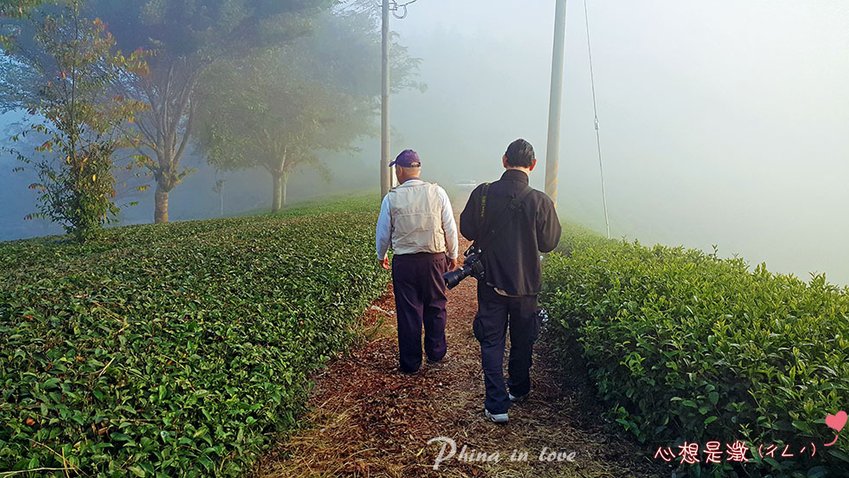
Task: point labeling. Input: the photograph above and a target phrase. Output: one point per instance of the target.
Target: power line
(595, 112)
(396, 7)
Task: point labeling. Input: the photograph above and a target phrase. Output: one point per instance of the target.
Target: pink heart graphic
(836, 422)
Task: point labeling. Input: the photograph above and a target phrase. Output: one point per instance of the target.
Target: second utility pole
(552, 152)
(385, 172)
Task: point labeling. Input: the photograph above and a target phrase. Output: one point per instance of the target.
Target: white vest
(416, 212)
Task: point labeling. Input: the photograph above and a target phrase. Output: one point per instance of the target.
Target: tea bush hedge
(179, 349)
(687, 346)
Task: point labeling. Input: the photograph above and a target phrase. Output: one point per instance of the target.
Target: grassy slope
(175, 349)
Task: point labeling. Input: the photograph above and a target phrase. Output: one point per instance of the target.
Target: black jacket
(511, 255)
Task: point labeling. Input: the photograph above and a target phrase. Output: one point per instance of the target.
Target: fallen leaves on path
(368, 419)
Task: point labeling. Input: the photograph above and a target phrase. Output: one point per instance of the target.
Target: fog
(721, 123)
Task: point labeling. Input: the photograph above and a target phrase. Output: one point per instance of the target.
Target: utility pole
(385, 172)
(552, 152)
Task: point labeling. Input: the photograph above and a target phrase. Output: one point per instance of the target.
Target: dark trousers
(497, 313)
(420, 300)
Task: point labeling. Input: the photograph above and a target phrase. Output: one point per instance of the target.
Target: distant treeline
(122, 93)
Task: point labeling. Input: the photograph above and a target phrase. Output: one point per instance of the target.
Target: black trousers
(496, 314)
(420, 300)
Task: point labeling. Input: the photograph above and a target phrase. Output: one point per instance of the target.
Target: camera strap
(483, 200)
(514, 205)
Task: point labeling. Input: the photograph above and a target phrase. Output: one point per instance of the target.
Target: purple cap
(407, 159)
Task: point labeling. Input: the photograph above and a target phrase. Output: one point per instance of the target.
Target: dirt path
(367, 419)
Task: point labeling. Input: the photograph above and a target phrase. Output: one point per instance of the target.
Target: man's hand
(453, 264)
(384, 263)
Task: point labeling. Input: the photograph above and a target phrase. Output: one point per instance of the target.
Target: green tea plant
(179, 349)
(684, 345)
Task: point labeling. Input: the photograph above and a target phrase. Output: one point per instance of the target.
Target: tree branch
(187, 133)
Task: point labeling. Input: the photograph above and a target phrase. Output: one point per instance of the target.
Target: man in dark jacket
(512, 223)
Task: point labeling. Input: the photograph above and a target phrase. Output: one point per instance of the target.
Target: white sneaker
(516, 399)
(496, 417)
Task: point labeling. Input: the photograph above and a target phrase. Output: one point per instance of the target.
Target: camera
(472, 266)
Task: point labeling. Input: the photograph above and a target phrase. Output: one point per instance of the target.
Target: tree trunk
(279, 191)
(285, 182)
(160, 214)
(167, 127)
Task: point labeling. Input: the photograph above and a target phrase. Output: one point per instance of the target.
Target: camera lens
(453, 278)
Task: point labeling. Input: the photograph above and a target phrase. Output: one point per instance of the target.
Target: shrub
(76, 115)
(174, 350)
(686, 346)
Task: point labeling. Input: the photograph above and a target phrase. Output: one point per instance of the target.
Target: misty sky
(722, 122)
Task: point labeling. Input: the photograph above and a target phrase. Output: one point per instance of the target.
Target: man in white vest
(417, 223)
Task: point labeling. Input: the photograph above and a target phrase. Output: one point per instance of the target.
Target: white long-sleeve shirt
(416, 217)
